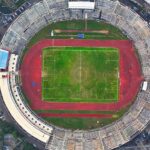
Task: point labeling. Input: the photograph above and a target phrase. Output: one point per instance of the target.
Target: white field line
(87, 50)
(80, 70)
(78, 98)
(54, 71)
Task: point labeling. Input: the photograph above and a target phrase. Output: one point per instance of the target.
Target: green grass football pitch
(80, 74)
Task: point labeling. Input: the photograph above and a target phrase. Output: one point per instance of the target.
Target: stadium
(75, 74)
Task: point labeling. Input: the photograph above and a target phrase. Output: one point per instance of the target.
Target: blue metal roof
(3, 59)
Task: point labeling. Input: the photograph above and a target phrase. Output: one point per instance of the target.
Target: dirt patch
(57, 31)
(44, 74)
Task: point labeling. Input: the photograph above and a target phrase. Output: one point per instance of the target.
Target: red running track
(130, 75)
(76, 115)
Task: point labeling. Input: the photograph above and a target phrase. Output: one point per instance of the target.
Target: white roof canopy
(81, 5)
(148, 1)
(145, 84)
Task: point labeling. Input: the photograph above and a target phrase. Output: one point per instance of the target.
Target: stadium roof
(3, 58)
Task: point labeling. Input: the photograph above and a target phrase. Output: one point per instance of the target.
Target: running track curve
(130, 75)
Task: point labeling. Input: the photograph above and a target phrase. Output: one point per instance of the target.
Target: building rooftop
(148, 1)
(3, 58)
